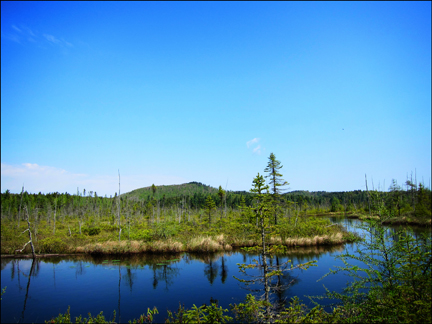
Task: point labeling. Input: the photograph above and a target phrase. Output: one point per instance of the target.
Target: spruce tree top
(275, 177)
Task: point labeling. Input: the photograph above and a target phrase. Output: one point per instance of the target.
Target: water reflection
(224, 270)
(119, 313)
(130, 284)
(165, 273)
(34, 273)
(211, 271)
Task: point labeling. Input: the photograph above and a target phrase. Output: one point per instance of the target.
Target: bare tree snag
(19, 213)
(30, 236)
(55, 211)
(370, 213)
(118, 208)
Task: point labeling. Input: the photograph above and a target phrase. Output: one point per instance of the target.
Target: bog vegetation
(197, 218)
(392, 284)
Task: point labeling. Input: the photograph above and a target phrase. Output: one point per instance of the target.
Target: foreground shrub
(100, 318)
(91, 231)
(53, 245)
(202, 314)
(397, 281)
(141, 235)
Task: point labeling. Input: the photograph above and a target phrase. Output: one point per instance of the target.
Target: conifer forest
(266, 221)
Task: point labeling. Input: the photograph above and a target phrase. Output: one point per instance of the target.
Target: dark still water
(131, 284)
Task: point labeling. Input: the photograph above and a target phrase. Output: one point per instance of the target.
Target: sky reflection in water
(132, 284)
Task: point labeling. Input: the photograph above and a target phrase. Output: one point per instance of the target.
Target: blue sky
(170, 93)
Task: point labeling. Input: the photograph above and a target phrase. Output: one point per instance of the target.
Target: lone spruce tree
(275, 180)
(209, 206)
(262, 209)
(221, 194)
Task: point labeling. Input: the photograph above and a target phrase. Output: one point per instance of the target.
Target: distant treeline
(415, 199)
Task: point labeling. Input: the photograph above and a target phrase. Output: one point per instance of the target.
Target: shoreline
(400, 220)
(198, 245)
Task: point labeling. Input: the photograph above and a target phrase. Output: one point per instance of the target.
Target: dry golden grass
(275, 240)
(176, 247)
(158, 247)
(200, 244)
(203, 244)
(219, 239)
(135, 247)
(109, 247)
(208, 244)
(337, 238)
(165, 246)
(245, 242)
(95, 248)
(316, 240)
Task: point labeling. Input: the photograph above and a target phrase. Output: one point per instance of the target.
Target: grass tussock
(165, 246)
(80, 249)
(131, 247)
(243, 242)
(275, 240)
(208, 244)
(135, 247)
(337, 238)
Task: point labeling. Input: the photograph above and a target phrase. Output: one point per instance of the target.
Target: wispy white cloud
(257, 150)
(52, 39)
(67, 43)
(29, 31)
(252, 141)
(51, 179)
(16, 28)
(11, 36)
(21, 34)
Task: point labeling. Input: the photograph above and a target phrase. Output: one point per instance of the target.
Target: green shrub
(165, 230)
(397, 281)
(202, 314)
(141, 234)
(52, 244)
(108, 227)
(91, 230)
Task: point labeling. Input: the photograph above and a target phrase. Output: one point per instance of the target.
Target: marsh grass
(409, 220)
(406, 219)
(168, 236)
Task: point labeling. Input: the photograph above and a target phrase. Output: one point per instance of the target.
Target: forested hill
(181, 190)
(194, 194)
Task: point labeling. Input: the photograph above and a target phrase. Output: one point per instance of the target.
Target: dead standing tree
(19, 213)
(30, 236)
(118, 208)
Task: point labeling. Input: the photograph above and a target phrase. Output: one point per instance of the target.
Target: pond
(131, 284)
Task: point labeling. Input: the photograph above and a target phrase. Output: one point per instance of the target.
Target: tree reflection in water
(165, 273)
(224, 270)
(34, 273)
(211, 271)
(129, 278)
